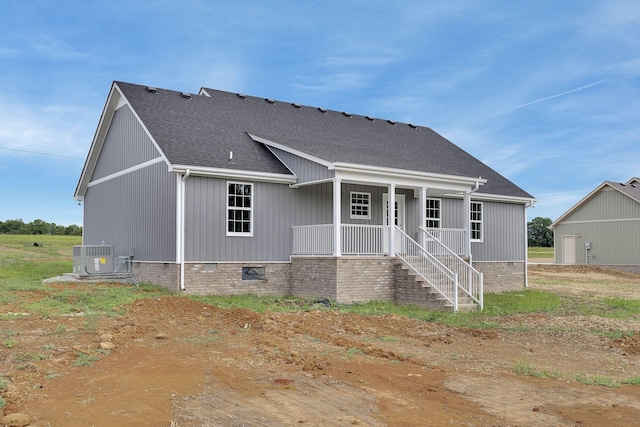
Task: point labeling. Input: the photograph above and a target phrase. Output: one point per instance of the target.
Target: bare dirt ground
(177, 362)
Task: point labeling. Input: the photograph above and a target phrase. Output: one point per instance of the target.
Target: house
(602, 229)
(229, 194)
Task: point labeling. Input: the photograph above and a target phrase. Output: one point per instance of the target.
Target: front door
(568, 249)
(399, 216)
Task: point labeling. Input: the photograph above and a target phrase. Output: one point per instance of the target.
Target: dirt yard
(176, 362)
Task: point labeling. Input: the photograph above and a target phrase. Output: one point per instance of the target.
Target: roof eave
(276, 178)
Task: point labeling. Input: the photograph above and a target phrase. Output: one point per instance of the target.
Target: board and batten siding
(135, 212)
(610, 221)
(504, 233)
(305, 170)
(125, 146)
(276, 208)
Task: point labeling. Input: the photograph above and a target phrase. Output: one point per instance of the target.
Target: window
(476, 221)
(239, 209)
(360, 205)
(433, 213)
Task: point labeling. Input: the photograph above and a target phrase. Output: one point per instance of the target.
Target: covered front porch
(438, 256)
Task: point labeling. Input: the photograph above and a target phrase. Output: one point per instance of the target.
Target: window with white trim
(475, 212)
(360, 205)
(433, 213)
(239, 209)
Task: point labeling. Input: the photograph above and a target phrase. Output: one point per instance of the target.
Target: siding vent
(152, 89)
(322, 110)
(270, 101)
(185, 95)
(371, 119)
(346, 114)
(391, 122)
(241, 96)
(298, 106)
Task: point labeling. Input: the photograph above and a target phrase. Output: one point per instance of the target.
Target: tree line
(38, 226)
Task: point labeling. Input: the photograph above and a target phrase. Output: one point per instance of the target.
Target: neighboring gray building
(602, 229)
(228, 194)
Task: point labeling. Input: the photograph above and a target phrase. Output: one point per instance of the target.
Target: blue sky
(545, 92)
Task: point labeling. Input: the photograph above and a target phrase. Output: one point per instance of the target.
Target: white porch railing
(364, 239)
(452, 238)
(428, 267)
(356, 239)
(470, 280)
(313, 239)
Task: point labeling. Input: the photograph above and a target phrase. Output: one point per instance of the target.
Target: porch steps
(412, 289)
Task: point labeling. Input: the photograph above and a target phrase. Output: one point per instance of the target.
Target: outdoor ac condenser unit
(96, 259)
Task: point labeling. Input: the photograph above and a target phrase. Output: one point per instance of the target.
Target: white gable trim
(125, 171)
(115, 100)
(291, 150)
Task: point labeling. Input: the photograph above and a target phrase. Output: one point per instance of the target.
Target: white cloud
(51, 129)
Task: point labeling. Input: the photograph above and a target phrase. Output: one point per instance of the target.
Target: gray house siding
(137, 211)
(610, 221)
(276, 209)
(305, 170)
(126, 145)
(504, 233)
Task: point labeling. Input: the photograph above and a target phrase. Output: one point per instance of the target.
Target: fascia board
(234, 174)
(98, 140)
(502, 198)
(298, 153)
(392, 172)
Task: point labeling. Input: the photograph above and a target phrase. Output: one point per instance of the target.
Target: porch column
(466, 207)
(423, 213)
(391, 215)
(337, 198)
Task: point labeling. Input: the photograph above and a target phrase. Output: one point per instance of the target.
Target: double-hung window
(360, 205)
(433, 213)
(239, 209)
(476, 221)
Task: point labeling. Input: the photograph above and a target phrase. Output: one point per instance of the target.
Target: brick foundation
(226, 279)
(344, 279)
(502, 276)
(166, 275)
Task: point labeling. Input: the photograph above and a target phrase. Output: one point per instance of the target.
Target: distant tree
(73, 230)
(38, 226)
(538, 232)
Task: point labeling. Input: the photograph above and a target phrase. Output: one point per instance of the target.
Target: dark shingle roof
(202, 130)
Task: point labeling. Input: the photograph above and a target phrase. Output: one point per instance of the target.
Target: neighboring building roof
(201, 131)
(630, 189)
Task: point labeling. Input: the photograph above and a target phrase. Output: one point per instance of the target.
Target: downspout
(182, 227)
(468, 222)
(526, 246)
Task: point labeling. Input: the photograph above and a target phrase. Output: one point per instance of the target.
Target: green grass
(598, 380)
(540, 253)
(24, 266)
(525, 368)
